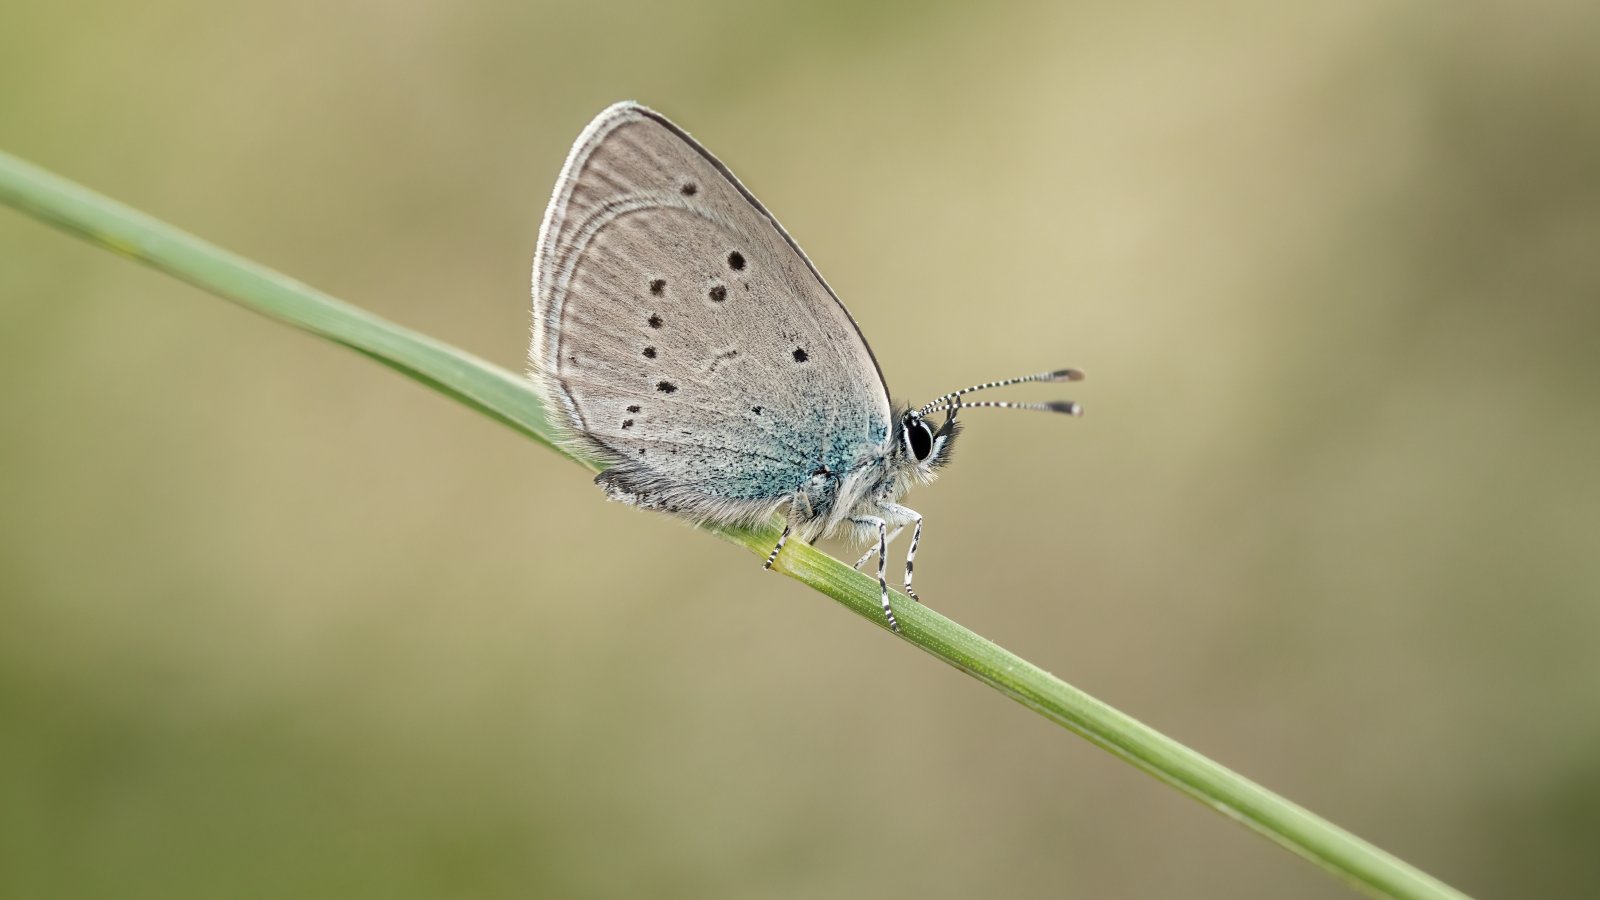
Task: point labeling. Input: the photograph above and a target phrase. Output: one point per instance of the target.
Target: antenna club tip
(1065, 406)
(1066, 375)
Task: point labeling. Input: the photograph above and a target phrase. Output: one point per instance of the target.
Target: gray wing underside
(683, 335)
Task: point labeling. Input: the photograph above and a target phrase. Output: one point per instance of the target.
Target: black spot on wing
(666, 387)
(649, 353)
(718, 294)
(736, 261)
(655, 321)
(658, 287)
(800, 355)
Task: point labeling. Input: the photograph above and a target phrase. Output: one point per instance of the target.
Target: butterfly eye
(920, 439)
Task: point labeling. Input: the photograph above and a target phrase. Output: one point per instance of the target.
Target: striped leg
(773, 556)
(874, 548)
(911, 557)
(883, 553)
(911, 517)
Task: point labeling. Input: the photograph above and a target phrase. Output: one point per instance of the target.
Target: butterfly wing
(685, 337)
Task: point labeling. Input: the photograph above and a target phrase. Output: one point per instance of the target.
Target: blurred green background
(275, 622)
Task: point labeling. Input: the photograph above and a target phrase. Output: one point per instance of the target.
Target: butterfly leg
(911, 557)
(883, 554)
(773, 556)
(874, 548)
(913, 518)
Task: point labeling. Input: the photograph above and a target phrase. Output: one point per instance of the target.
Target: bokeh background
(275, 622)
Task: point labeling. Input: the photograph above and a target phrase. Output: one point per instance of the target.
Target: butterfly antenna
(1059, 406)
(1056, 376)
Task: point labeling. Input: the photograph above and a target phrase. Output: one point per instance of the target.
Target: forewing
(685, 336)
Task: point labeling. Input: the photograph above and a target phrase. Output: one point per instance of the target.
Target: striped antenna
(1059, 375)
(1059, 406)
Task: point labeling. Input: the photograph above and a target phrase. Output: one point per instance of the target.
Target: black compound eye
(920, 437)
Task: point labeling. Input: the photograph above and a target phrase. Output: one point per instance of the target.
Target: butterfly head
(924, 445)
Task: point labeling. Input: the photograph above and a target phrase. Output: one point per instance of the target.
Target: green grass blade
(508, 399)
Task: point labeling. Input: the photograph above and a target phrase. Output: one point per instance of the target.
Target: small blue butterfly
(687, 342)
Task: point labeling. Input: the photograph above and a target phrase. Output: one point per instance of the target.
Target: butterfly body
(691, 347)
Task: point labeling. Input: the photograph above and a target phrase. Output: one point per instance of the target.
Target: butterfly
(686, 343)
